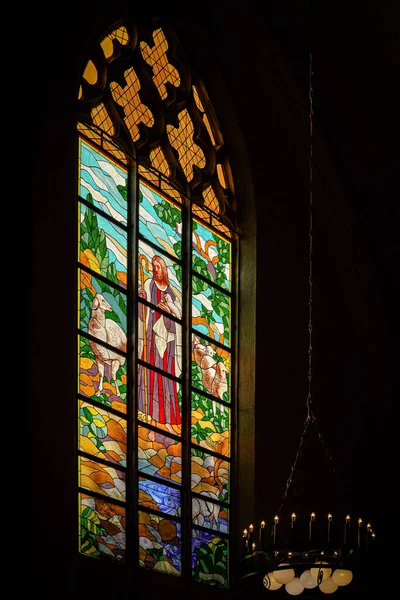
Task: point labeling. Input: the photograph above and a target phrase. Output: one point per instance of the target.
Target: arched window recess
(157, 299)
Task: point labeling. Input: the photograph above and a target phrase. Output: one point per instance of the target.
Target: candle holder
(308, 557)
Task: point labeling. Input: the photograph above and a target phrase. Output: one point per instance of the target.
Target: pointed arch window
(157, 299)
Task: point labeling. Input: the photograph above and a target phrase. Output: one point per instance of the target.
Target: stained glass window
(157, 246)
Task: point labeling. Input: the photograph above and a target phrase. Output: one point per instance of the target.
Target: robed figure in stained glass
(159, 345)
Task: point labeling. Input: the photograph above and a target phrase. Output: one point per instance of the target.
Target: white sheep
(213, 372)
(203, 509)
(110, 332)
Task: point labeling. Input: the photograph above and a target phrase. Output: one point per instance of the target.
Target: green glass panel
(159, 455)
(102, 246)
(209, 514)
(160, 220)
(102, 374)
(209, 559)
(94, 295)
(210, 475)
(211, 255)
(102, 182)
(102, 434)
(159, 544)
(101, 479)
(210, 424)
(210, 368)
(211, 311)
(102, 531)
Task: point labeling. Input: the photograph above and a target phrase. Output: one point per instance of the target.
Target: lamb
(213, 372)
(110, 332)
(203, 509)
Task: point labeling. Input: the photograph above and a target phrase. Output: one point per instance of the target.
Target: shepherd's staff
(143, 260)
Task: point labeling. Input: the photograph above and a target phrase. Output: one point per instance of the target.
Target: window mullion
(132, 558)
(186, 398)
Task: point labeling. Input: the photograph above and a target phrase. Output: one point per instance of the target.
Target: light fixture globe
(342, 577)
(284, 575)
(328, 586)
(270, 582)
(320, 573)
(307, 580)
(294, 587)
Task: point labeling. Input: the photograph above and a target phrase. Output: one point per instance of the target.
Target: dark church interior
(261, 51)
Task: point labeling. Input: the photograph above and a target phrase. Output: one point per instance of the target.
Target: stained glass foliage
(210, 475)
(210, 424)
(102, 528)
(211, 311)
(102, 182)
(95, 359)
(210, 368)
(159, 455)
(206, 513)
(211, 255)
(155, 495)
(101, 479)
(160, 220)
(159, 543)
(209, 559)
(91, 287)
(102, 434)
(102, 246)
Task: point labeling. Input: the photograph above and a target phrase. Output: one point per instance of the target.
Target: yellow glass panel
(95, 136)
(90, 73)
(210, 200)
(154, 178)
(156, 57)
(199, 212)
(210, 131)
(197, 99)
(159, 161)
(107, 46)
(128, 98)
(221, 176)
(121, 34)
(221, 228)
(181, 138)
(101, 119)
(80, 92)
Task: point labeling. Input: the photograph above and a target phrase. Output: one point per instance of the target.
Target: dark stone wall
(263, 106)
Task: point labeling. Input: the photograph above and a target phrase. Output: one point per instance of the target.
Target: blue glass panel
(158, 496)
(102, 182)
(160, 221)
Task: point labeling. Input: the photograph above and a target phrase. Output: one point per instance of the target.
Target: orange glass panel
(197, 99)
(128, 98)
(209, 129)
(154, 178)
(210, 200)
(120, 34)
(221, 176)
(181, 139)
(156, 57)
(158, 161)
(199, 212)
(102, 120)
(90, 73)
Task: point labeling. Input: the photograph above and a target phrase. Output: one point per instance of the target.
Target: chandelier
(300, 552)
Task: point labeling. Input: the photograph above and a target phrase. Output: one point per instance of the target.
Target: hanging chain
(310, 415)
(310, 418)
